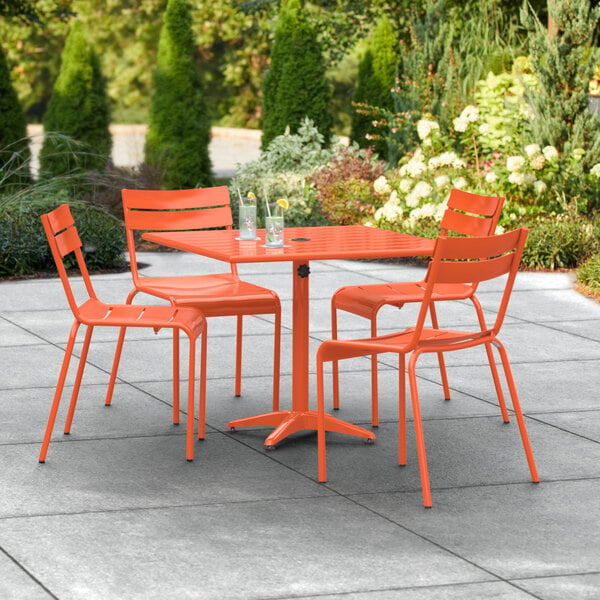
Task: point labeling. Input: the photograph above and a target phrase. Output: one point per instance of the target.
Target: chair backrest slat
(174, 210)
(67, 241)
(471, 214)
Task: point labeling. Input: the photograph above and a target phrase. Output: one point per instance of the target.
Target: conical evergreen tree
(14, 146)
(179, 125)
(78, 108)
(376, 77)
(564, 64)
(295, 86)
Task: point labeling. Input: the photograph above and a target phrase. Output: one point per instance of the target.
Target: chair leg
(78, 378)
(189, 454)
(176, 383)
(238, 357)
(401, 410)
(202, 397)
(517, 408)
(277, 360)
(443, 374)
(335, 363)
(419, 430)
(322, 460)
(492, 362)
(374, 387)
(58, 393)
(115, 366)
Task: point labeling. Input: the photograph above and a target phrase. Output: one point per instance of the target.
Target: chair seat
(97, 313)
(366, 300)
(216, 295)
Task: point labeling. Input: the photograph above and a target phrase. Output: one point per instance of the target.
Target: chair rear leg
(58, 393)
(419, 430)
(78, 378)
(277, 360)
(519, 415)
(238, 357)
(202, 396)
(443, 374)
(492, 362)
(335, 363)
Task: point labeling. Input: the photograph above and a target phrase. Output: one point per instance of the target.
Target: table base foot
(287, 422)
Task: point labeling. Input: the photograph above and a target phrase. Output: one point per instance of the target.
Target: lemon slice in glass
(283, 203)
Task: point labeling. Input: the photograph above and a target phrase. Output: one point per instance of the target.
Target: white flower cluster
(381, 186)
(425, 127)
(470, 114)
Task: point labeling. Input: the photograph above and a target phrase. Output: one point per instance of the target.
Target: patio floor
(117, 512)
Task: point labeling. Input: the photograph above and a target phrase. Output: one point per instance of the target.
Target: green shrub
(79, 109)
(560, 241)
(179, 125)
(14, 146)
(24, 249)
(588, 275)
(283, 171)
(295, 86)
(344, 187)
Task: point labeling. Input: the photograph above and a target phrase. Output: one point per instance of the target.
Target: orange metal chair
(456, 261)
(467, 214)
(64, 240)
(216, 295)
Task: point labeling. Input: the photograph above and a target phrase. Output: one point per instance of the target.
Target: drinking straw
(240, 195)
(267, 202)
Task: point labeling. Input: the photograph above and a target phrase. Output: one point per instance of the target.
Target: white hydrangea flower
(532, 149)
(550, 152)
(405, 185)
(412, 200)
(491, 177)
(414, 168)
(595, 170)
(537, 161)
(539, 187)
(460, 124)
(459, 163)
(499, 230)
(460, 183)
(515, 163)
(422, 190)
(484, 128)
(529, 178)
(470, 113)
(425, 127)
(381, 186)
(447, 158)
(393, 199)
(517, 178)
(433, 163)
(442, 181)
(391, 211)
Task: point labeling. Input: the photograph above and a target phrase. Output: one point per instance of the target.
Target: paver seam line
(579, 435)
(578, 574)
(28, 573)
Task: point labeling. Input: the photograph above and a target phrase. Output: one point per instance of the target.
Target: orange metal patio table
(302, 244)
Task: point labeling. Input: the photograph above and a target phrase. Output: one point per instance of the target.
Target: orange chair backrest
(471, 214)
(174, 210)
(63, 239)
(471, 260)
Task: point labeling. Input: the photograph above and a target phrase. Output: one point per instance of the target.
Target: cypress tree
(14, 145)
(78, 108)
(179, 125)
(376, 77)
(564, 64)
(295, 86)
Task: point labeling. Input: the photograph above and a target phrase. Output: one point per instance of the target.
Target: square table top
(300, 243)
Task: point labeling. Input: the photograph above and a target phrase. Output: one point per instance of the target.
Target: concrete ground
(117, 512)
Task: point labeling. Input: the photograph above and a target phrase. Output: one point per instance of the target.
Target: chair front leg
(202, 395)
(277, 359)
(322, 458)
(238, 357)
(335, 363)
(374, 377)
(189, 454)
(78, 378)
(58, 393)
(419, 430)
(402, 410)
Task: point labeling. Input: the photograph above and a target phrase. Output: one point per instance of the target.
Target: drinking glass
(247, 219)
(274, 231)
